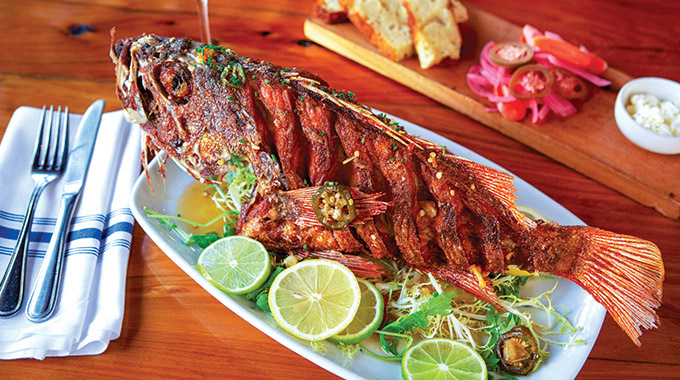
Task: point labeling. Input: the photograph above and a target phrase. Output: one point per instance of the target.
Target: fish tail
(623, 273)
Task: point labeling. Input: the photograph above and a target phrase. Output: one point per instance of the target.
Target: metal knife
(43, 299)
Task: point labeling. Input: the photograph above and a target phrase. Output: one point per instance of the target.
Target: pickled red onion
(485, 79)
(559, 104)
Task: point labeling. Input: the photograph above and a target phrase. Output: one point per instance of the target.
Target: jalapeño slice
(530, 81)
(568, 84)
(511, 54)
(334, 206)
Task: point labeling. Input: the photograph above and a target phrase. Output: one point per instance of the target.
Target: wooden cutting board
(588, 142)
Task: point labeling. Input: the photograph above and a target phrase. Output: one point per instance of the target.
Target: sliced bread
(434, 30)
(330, 11)
(459, 11)
(384, 23)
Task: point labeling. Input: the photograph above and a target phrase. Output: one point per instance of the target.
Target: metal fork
(49, 160)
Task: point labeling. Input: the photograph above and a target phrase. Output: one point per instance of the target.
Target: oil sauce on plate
(196, 205)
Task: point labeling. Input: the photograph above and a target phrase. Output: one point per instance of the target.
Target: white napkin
(90, 309)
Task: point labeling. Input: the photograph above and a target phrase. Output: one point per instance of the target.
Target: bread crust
(434, 30)
(329, 13)
(395, 46)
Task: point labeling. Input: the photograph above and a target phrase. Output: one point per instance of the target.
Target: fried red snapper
(378, 190)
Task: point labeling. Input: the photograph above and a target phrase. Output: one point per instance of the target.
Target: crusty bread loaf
(459, 11)
(434, 30)
(330, 11)
(395, 27)
(384, 23)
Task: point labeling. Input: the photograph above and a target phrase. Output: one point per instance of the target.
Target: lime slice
(531, 213)
(235, 264)
(314, 299)
(442, 359)
(368, 317)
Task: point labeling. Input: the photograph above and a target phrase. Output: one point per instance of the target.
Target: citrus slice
(442, 359)
(314, 299)
(531, 213)
(368, 317)
(235, 264)
(514, 270)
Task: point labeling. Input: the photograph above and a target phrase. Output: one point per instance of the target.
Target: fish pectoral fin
(365, 205)
(359, 265)
(471, 281)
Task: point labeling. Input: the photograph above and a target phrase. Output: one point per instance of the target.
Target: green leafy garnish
(437, 304)
(204, 240)
(261, 294)
(187, 238)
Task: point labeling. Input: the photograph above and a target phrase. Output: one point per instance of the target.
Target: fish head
(153, 74)
(183, 95)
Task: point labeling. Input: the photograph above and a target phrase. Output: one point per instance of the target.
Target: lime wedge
(314, 299)
(235, 264)
(442, 359)
(368, 317)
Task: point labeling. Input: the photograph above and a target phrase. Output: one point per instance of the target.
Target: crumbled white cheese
(655, 115)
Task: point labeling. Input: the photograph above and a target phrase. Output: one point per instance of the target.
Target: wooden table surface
(173, 328)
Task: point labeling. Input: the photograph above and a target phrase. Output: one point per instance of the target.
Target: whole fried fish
(415, 201)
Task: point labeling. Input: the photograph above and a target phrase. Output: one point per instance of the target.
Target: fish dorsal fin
(497, 182)
(500, 185)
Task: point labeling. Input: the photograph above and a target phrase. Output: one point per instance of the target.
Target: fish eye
(175, 80)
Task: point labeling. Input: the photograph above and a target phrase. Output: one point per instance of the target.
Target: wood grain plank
(588, 142)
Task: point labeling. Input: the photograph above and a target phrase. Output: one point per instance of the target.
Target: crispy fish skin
(440, 213)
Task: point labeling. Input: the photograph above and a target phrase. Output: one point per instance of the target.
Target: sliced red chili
(334, 206)
(569, 85)
(531, 81)
(513, 110)
(511, 54)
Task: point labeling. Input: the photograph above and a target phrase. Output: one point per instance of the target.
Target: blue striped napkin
(90, 309)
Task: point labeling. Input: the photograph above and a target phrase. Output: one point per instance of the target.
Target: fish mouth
(129, 87)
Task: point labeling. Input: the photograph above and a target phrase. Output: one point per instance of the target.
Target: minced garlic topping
(655, 115)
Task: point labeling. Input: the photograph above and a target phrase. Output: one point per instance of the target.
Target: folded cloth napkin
(90, 309)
